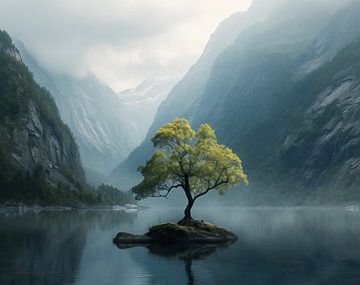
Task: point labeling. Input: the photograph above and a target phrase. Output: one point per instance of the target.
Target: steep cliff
(187, 91)
(107, 126)
(39, 159)
(321, 149)
(285, 97)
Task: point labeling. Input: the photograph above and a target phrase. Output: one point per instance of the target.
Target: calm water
(275, 246)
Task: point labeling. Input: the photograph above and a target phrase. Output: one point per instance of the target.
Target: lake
(275, 246)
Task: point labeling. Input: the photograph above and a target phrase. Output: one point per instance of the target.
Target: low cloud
(122, 41)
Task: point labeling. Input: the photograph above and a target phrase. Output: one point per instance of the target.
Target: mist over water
(275, 246)
(280, 86)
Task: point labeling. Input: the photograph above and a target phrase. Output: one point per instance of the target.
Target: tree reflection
(185, 252)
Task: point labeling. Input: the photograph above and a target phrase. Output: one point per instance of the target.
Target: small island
(195, 163)
(199, 232)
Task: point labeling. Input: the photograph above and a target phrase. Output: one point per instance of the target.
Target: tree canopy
(189, 160)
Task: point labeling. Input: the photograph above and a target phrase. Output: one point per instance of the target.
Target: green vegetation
(198, 232)
(33, 189)
(34, 185)
(5, 40)
(109, 195)
(18, 89)
(31, 183)
(175, 231)
(189, 160)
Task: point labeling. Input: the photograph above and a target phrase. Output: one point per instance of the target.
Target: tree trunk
(187, 220)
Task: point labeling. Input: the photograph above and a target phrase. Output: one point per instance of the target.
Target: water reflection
(187, 253)
(46, 247)
(275, 246)
(184, 252)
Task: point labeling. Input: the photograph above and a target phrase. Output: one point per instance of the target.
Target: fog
(122, 42)
(275, 246)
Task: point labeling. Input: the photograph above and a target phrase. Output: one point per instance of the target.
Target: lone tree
(191, 161)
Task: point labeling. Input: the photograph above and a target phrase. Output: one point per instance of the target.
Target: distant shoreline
(124, 208)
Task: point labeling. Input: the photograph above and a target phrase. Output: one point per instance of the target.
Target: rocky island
(195, 163)
(197, 232)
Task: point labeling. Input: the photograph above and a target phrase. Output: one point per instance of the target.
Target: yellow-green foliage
(189, 159)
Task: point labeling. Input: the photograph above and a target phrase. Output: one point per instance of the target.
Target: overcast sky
(122, 41)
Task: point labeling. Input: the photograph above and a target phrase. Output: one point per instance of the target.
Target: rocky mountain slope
(39, 159)
(321, 149)
(186, 92)
(272, 92)
(107, 126)
(285, 96)
(141, 104)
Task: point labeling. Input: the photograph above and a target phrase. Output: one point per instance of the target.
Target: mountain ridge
(39, 158)
(105, 125)
(256, 99)
(187, 90)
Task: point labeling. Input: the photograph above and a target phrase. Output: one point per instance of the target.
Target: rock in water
(199, 232)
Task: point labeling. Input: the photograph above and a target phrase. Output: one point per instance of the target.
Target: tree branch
(167, 189)
(211, 188)
(217, 183)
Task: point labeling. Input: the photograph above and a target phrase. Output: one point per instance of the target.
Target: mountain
(321, 148)
(186, 92)
(142, 102)
(255, 95)
(285, 97)
(107, 126)
(39, 159)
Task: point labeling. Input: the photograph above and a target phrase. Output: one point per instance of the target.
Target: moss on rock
(170, 233)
